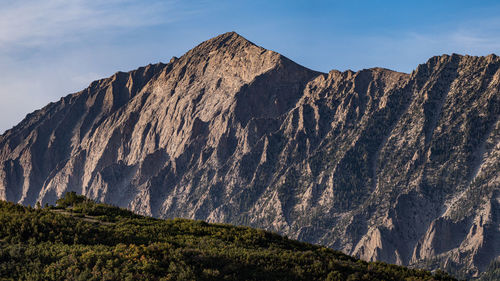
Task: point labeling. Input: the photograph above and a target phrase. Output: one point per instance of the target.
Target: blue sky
(51, 48)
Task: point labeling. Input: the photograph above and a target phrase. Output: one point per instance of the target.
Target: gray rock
(402, 168)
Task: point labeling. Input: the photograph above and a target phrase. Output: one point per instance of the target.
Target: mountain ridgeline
(387, 166)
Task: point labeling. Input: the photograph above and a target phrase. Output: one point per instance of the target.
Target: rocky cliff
(403, 168)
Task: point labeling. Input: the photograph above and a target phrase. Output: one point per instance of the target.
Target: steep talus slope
(383, 165)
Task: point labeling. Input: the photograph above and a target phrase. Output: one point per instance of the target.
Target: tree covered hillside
(83, 240)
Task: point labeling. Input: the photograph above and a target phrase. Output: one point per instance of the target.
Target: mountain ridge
(375, 163)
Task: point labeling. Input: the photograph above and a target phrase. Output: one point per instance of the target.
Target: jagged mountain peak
(228, 41)
(232, 56)
(228, 45)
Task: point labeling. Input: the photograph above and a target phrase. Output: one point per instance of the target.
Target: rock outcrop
(403, 168)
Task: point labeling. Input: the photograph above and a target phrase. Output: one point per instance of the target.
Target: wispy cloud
(50, 48)
(35, 23)
(476, 37)
(404, 50)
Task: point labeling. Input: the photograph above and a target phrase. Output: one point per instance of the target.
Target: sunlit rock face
(403, 168)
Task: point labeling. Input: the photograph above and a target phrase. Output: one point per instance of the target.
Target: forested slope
(82, 240)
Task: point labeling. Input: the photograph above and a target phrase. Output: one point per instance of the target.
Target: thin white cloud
(37, 65)
(477, 37)
(37, 23)
(405, 50)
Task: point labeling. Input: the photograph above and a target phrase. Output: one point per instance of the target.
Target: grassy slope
(88, 241)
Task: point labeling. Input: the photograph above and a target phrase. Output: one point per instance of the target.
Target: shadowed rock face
(380, 164)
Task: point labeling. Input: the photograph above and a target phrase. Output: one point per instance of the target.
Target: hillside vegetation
(83, 240)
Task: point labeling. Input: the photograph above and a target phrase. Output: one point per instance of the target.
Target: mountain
(82, 240)
(402, 168)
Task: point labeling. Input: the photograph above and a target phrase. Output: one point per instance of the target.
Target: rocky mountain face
(403, 168)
